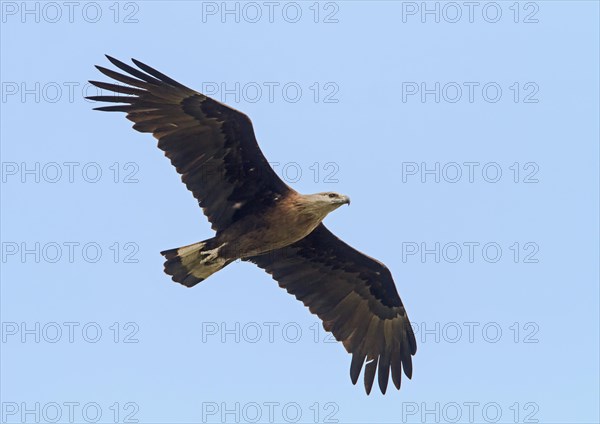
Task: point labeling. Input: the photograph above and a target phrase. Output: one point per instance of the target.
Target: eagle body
(260, 219)
(290, 218)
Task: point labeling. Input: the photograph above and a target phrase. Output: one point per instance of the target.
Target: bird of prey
(260, 219)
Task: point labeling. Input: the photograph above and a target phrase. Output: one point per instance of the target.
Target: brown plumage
(260, 219)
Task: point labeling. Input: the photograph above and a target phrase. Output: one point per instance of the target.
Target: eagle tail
(189, 265)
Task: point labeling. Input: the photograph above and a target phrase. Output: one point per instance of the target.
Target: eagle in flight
(260, 219)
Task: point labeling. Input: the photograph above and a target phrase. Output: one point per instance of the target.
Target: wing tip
(137, 62)
(113, 60)
(118, 108)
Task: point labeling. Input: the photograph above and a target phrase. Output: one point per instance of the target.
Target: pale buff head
(323, 203)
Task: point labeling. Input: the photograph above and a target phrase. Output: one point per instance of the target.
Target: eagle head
(319, 205)
(328, 200)
(334, 199)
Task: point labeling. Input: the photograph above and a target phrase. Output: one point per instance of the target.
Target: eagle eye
(332, 195)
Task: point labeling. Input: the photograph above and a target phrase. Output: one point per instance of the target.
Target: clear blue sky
(466, 136)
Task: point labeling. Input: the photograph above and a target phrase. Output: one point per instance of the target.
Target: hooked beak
(346, 200)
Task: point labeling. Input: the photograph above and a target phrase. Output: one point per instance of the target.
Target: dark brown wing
(356, 298)
(210, 144)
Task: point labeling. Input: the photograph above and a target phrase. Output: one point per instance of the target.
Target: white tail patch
(186, 250)
(191, 264)
(201, 263)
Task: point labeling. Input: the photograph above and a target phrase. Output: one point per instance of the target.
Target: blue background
(177, 368)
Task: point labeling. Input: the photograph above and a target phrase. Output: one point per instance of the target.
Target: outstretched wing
(211, 145)
(356, 298)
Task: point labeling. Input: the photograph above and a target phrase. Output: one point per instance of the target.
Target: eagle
(259, 219)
